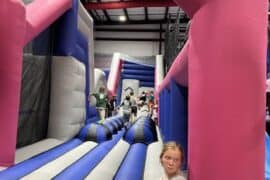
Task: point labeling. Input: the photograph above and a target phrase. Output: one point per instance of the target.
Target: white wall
(131, 48)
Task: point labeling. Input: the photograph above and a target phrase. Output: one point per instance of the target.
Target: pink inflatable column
(12, 31)
(227, 62)
(114, 75)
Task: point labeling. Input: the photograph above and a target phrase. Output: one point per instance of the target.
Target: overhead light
(122, 18)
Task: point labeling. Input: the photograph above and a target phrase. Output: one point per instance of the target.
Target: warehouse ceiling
(119, 12)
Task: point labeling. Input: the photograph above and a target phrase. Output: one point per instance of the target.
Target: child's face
(171, 161)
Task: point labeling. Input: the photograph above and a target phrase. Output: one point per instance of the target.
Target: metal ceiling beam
(166, 13)
(125, 11)
(126, 14)
(99, 23)
(105, 12)
(129, 4)
(146, 13)
(93, 16)
(127, 39)
(128, 30)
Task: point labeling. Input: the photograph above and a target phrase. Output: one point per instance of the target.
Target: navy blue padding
(138, 63)
(139, 77)
(22, 169)
(92, 120)
(267, 157)
(103, 133)
(179, 120)
(93, 111)
(161, 112)
(119, 126)
(130, 135)
(81, 168)
(137, 66)
(66, 32)
(120, 122)
(138, 72)
(95, 132)
(133, 165)
(111, 127)
(113, 121)
(81, 48)
(83, 132)
(42, 43)
(92, 115)
(167, 115)
(142, 131)
(107, 72)
(147, 84)
(119, 91)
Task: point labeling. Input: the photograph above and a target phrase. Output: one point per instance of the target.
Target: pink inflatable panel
(41, 13)
(12, 30)
(178, 70)
(114, 76)
(226, 80)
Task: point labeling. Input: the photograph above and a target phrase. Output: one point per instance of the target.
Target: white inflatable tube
(107, 168)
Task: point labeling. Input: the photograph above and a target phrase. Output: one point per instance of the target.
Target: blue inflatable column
(178, 120)
(160, 111)
(166, 115)
(119, 91)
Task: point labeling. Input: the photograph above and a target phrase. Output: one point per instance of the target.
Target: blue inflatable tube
(137, 67)
(141, 78)
(133, 165)
(138, 72)
(143, 131)
(267, 157)
(81, 168)
(30, 165)
(147, 84)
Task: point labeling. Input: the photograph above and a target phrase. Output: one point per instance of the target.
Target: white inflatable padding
(34, 149)
(153, 169)
(107, 168)
(67, 102)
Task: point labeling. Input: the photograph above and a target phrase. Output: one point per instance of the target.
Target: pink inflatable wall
(226, 70)
(18, 26)
(114, 75)
(12, 31)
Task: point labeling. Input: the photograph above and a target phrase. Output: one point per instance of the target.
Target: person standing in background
(133, 106)
(101, 102)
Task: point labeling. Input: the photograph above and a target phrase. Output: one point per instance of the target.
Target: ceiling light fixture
(122, 18)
